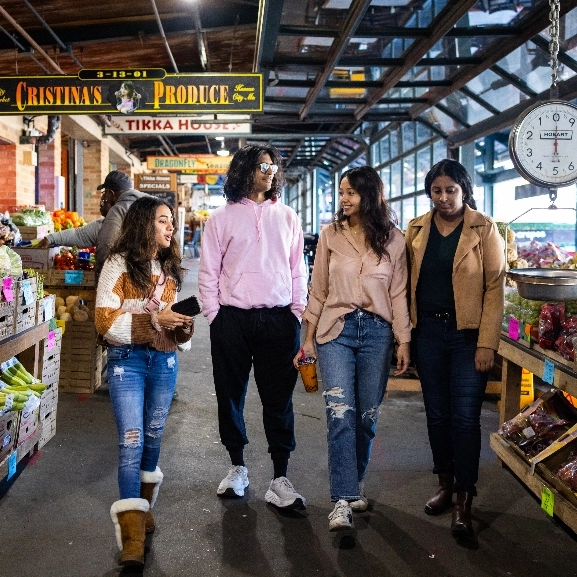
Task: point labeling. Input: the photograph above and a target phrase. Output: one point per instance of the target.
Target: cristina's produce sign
(131, 92)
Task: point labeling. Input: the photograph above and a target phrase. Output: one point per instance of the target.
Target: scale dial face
(543, 144)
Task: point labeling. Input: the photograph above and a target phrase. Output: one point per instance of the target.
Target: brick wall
(96, 167)
(50, 166)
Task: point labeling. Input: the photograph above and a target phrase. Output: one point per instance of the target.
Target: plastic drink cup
(308, 371)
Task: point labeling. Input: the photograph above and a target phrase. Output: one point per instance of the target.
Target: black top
(435, 287)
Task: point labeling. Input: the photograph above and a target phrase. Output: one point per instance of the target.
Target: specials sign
(194, 164)
(174, 125)
(155, 182)
(137, 92)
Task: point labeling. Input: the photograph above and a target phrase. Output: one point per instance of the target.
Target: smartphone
(189, 307)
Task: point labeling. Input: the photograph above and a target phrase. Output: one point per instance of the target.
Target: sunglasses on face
(264, 166)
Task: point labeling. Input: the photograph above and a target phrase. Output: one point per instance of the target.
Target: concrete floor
(56, 520)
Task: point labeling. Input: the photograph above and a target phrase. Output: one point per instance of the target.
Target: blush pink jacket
(252, 257)
(345, 280)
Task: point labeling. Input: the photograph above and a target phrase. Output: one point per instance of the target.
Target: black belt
(442, 316)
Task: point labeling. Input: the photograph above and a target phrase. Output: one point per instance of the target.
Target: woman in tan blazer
(457, 269)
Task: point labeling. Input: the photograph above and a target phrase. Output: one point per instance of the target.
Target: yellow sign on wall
(196, 164)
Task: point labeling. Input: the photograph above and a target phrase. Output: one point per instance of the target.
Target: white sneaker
(361, 504)
(234, 484)
(281, 493)
(341, 517)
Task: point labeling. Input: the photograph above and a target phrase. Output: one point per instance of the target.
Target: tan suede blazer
(478, 273)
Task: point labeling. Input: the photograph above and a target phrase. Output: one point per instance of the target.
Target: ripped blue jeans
(354, 370)
(141, 381)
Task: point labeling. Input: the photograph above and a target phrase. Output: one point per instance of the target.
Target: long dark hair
(375, 213)
(456, 172)
(137, 244)
(239, 181)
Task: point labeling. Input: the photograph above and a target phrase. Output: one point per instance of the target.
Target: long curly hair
(137, 245)
(456, 172)
(239, 181)
(377, 217)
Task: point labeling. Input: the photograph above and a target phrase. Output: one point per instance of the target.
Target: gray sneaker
(234, 484)
(281, 493)
(361, 504)
(341, 517)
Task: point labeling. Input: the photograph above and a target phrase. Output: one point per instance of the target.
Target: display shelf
(562, 508)
(515, 358)
(9, 348)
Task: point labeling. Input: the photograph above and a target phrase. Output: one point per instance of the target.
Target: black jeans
(267, 339)
(453, 393)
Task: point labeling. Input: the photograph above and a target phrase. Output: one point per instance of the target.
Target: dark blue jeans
(453, 393)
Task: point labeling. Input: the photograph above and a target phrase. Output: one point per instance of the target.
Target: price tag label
(73, 276)
(50, 341)
(47, 310)
(547, 501)
(11, 465)
(514, 328)
(28, 297)
(7, 288)
(548, 372)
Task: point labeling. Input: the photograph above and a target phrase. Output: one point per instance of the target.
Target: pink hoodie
(252, 257)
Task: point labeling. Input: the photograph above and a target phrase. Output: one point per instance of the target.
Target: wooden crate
(551, 463)
(66, 278)
(80, 359)
(36, 232)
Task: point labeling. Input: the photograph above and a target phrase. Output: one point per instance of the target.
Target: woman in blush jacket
(457, 266)
(357, 307)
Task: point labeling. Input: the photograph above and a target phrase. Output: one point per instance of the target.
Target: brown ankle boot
(128, 518)
(150, 482)
(461, 525)
(443, 498)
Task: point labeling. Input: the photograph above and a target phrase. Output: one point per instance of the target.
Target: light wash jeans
(141, 382)
(354, 369)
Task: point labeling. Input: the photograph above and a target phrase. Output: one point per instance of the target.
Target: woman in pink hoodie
(253, 284)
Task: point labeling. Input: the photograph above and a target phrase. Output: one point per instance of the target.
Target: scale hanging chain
(554, 42)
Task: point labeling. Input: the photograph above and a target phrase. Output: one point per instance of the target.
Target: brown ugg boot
(443, 498)
(150, 482)
(128, 518)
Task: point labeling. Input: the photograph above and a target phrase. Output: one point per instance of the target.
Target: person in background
(252, 282)
(84, 236)
(356, 309)
(457, 272)
(144, 268)
(119, 186)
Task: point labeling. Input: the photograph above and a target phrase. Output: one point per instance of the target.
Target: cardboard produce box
(41, 259)
(7, 311)
(8, 433)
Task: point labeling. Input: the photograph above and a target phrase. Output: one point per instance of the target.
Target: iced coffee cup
(308, 371)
